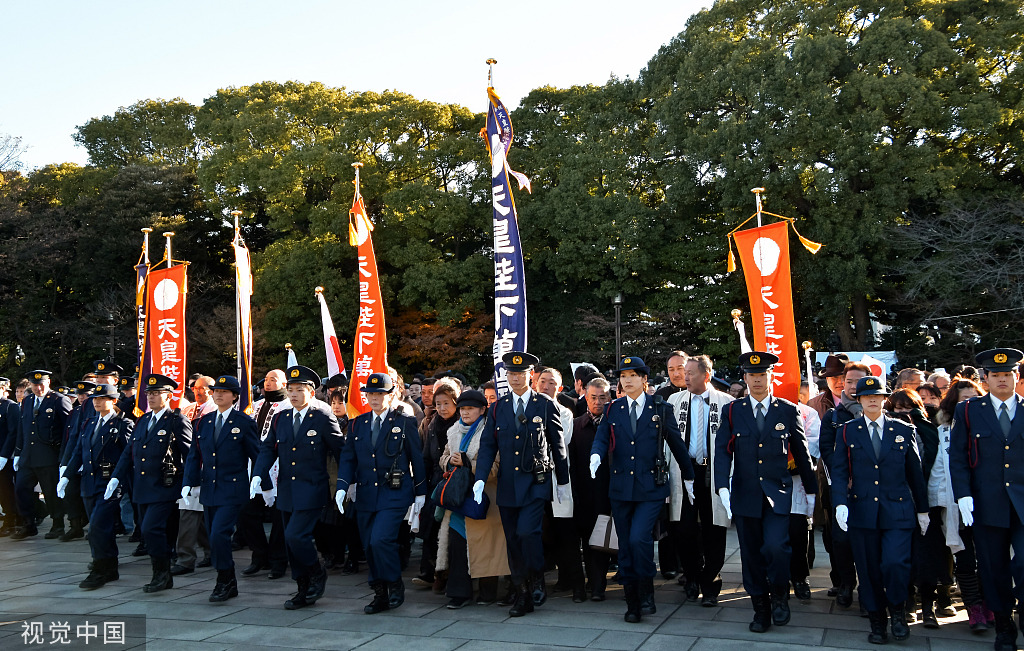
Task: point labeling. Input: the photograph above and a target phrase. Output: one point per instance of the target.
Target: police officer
(74, 505)
(634, 433)
(301, 437)
(382, 457)
(44, 414)
(986, 466)
(154, 462)
(10, 420)
(526, 429)
(759, 437)
(223, 444)
(103, 440)
(877, 485)
(126, 403)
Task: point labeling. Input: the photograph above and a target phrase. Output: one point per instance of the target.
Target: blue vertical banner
(509, 273)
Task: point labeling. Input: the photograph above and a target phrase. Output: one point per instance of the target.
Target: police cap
(104, 391)
(757, 362)
(378, 383)
(157, 382)
(517, 360)
(999, 359)
(302, 375)
(84, 387)
(871, 386)
(103, 367)
(229, 382)
(37, 376)
(633, 364)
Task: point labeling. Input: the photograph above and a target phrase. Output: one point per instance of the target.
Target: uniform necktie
(296, 424)
(632, 416)
(375, 432)
(35, 408)
(1004, 420)
(152, 424)
(520, 413)
(876, 440)
(759, 418)
(96, 432)
(216, 429)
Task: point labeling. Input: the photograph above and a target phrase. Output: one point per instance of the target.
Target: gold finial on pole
(287, 346)
(736, 314)
(318, 290)
(490, 72)
(357, 165)
(145, 244)
(170, 260)
(757, 197)
(806, 345)
(236, 214)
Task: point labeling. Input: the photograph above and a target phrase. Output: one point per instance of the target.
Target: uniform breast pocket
(780, 442)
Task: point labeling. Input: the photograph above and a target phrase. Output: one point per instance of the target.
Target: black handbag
(456, 485)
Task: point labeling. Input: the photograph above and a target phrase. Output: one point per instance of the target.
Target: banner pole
(490, 72)
(145, 245)
(238, 317)
(170, 261)
(757, 198)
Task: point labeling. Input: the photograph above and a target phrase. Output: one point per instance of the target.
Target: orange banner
(371, 344)
(764, 253)
(165, 324)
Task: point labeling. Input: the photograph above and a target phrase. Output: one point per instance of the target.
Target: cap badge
(517, 360)
(152, 380)
(755, 359)
(295, 372)
(99, 367)
(38, 376)
(1000, 358)
(627, 361)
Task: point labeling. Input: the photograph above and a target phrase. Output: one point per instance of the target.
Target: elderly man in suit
(526, 429)
(760, 438)
(986, 467)
(633, 436)
(300, 438)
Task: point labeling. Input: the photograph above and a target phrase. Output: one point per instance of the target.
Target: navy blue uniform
(380, 509)
(884, 494)
(39, 441)
(142, 464)
(761, 491)
(302, 483)
(989, 467)
(10, 420)
(97, 455)
(219, 465)
(525, 447)
(636, 499)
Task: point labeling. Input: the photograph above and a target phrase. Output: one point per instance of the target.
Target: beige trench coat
(485, 539)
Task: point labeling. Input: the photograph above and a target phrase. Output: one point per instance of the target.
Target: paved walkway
(38, 582)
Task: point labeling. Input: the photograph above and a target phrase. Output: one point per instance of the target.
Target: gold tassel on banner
(730, 262)
(813, 247)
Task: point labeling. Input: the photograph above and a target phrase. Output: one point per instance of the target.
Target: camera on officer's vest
(394, 478)
(169, 474)
(106, 470)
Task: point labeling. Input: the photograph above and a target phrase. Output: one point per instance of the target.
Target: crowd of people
(917, 492)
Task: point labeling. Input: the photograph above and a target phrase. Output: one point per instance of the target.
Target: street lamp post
(110, 324)
(617, 302)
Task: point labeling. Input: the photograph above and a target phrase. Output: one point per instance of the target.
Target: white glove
(3, 462)
(15, 464)
(62, 470)
(61, 485)
(724, 494)
(268, 498)
(111, 487)
(810, 503)
(254, 487)
(339, 499)
(186, 492)
(966, 505)
(922, 521)
(595, 463)
(842, 515)
(688, 484)
(420, 501)
(478, 492)
(562, 492)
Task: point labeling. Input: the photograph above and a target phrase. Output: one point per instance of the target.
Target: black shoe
(1006, 633)
(119, 529)
(74, 533)
(878, 634)
(396, 594)
(523, 603)
(141, 550)
(423, 580)
(455, 603)
(634, 610)
(709, 601)
(227, 586)
(21, 533)
(647, 605)
(6, 531)
(56, 531)
(206, 562)
(898, 622)
(802, 590)
(833, 591)
(317, 584)
(162, 578)
(254, 568)
(276, 573)
(540, 590)
(510, 595)
(136, 536)
(579, 593)
(351, 567)
(178, 570)
(299, 600)
(928, 619)
(844, 599)
(692, 591)
(103, 571)
(380, 601)
(762, 614)
(780, 605)
(671, 574)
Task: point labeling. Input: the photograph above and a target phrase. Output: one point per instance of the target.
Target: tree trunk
(862, 322)
(847, 340)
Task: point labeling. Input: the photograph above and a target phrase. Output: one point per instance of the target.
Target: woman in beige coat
(471, 549)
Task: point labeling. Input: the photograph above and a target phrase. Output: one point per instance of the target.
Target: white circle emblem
(166, 294)
(766, 255)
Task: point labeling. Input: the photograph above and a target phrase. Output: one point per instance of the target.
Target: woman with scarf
(471, 549)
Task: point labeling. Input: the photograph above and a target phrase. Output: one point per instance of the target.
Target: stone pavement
(38, 581)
